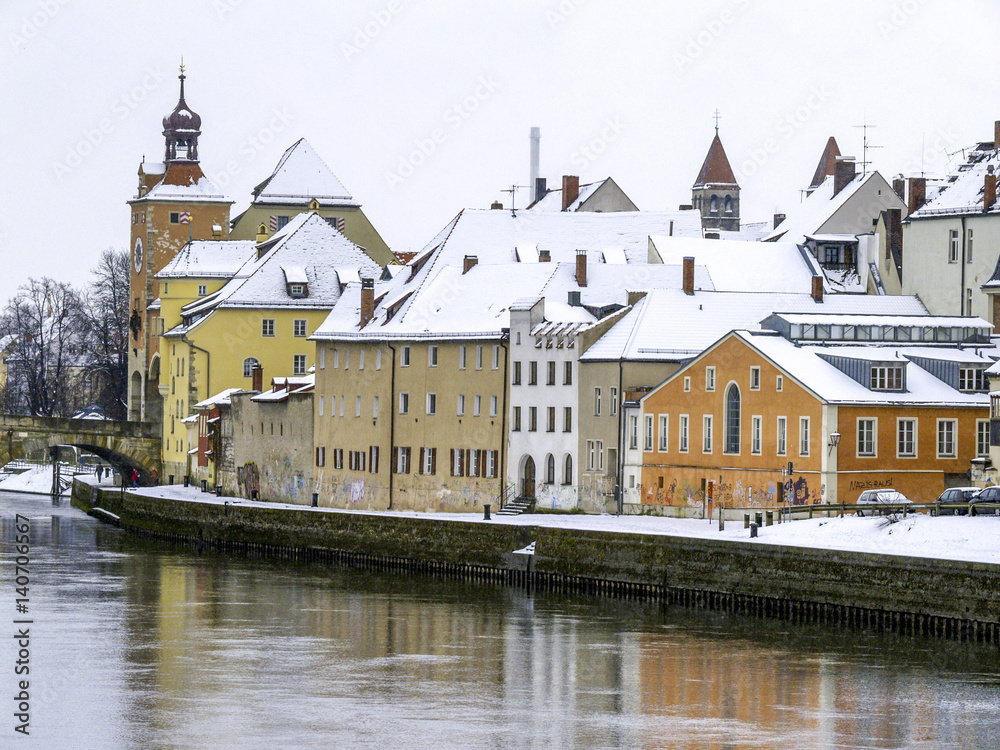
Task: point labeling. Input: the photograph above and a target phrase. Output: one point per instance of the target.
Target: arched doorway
(528, 477)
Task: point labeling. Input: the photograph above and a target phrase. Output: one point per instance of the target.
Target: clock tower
(174, 204)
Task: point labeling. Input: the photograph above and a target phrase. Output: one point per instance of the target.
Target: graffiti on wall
(248, 479)
(733, 492)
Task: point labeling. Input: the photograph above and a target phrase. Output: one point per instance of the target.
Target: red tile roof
(716, 169)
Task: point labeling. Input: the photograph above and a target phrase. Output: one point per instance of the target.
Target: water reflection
(144, 645)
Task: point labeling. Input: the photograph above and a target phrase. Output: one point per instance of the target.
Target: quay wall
(953, 599)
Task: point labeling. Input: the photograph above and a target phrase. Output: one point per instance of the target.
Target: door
(528, 478)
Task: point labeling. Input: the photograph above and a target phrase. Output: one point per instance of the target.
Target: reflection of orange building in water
(852, 402)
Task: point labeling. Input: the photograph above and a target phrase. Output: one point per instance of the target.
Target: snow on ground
(971, 539)
(37, 480)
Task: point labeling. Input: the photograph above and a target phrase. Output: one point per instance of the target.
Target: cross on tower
(717, 117)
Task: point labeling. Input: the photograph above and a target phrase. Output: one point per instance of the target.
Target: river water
(134, 644)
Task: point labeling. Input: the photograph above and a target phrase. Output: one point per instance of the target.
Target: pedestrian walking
(135, 477)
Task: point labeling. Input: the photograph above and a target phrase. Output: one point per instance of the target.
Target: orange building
(848, 402)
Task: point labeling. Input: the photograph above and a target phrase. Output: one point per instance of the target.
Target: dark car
(989, 495)
(956, 496)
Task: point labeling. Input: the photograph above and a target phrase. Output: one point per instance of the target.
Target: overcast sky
(423, 107)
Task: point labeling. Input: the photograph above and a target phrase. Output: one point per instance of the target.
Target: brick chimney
(496, 205)
(544, 256)
(468, 262)
(989, 189)
(817, 288)
(367, 301)
(917, 190)
(688, 276)
(899, 188)
(996, 134)
(257, 379)
(894, 235)
(570, 190)
(778, 218)
(843, 173)
(581, 267)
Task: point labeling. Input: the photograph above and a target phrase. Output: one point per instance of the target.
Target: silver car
(885, 497)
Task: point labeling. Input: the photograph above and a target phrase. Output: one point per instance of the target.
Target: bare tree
(104, 329)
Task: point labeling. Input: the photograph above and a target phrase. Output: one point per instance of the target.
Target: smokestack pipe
(535, 137)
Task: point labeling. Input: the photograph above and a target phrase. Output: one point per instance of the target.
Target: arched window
(733, 419)
(713, 205)
(550, 469)
(729, 204)
(568, 469)
(248, 366)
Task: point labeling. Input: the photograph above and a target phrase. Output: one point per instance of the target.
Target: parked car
(955, 496)
(988, 495)
(889, 498)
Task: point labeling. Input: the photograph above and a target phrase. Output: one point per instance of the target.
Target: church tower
(175, 203)
(716, 193)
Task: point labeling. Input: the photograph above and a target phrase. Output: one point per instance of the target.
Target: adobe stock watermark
(121, 109)
(252, 145)
(900, 15)
(454, 118)
(33, 23)
(370, 30)
(565, 10)
(591, 151)
(935, 154)
(711, 30)
(224, 7)
(786, 127)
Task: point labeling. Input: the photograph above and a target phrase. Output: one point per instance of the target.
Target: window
(633, 432)
(755, 434)
(567, 419)
(568, 469)
(282, 221)
(357, 406)
(687, 384)
(298, 364)
(461, 405)
(493, 406)
(338, 458)
(341, 406)
(361, 359)
(516, 380)
(968, 302)
(336, 358)
(356, 460)
(516, 420)
(432, 356)
(249, 365)
(779, 383)
(887, 377)
(551, 376)
(175, 217)
(595, 455)
(597, 402)
(491, 463)
(347, 359)
(461, 357)
(709, 378)
(946, 438)
(550, 469)
(477, 405)
(428, 461)
(982, 437)
(648, 442)
(297, 290)
(968, 248)
(550, 422)
(664, 433)
(402, 461)
(706, 433)
(782, 436)
(299, 328)
(532, 419)
(733, 419)
(320, 455)
(953, 246)
(479, 357)
(614, 401)
(322, 358)
(404, 357)
(473, 463)
(404, 403)
(906, 446)
(866, 437)
(457, 462)
(202, 290)
(375, 407)
(682, 433)
(267, 327)
(754, 378)
(322, 400)
(532, 373)
(803, 436)
(496, 357)
(432, 403)
(972, 379)
(378, 359)
(373, 459)
(567, 373)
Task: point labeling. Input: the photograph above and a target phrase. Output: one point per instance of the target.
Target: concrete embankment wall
(910, 595)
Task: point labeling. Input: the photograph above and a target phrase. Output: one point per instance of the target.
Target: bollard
(204, 485)
(486, 511)
(187, 480)
(218, 490)
(255, 495)
(315, 499)
(722, 521)
(758, 519)
(170, 479)
(769, 516)
(746, 520)
(753, 530)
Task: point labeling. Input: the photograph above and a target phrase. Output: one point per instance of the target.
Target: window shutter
(481, 463)
(434, 460)
(422, 458)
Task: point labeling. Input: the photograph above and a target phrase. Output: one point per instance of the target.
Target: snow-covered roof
(962, 191)
(669, 325)
(302, 175)
(749, 231)
(282, 388)
(208, 259)
(552, 200)
(204, 190)
(295, 275)
(220, 398)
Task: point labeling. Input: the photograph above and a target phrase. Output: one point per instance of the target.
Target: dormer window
(887, 377)
(297, 290)
(296, 281)
(972, 379)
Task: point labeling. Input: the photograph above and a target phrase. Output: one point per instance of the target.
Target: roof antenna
(865, 145)
(513, 191)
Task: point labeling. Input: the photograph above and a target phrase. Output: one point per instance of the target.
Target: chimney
(843, 173)
(685, 207)
(216, 232)
(496, 205)
(367, 301)
(917, 190)
(257, 378)
(996, 134)
(817, 288)
(778, 218)
(570, 190)
(535, 136)
(899, 188)
(989, 189)
(894, 235)
(541, 188)
(261, 233)
(468, 262)
(544, 256)
(688, 275)
(573, 300)
(581, 267)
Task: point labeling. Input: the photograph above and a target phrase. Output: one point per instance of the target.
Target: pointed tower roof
(716, 169)
(827, 164)
(302, 175)
(181, 129)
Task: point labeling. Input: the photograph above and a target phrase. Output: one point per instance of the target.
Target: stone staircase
(517, 507)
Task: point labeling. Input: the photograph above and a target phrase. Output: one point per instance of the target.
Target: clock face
(138, 255)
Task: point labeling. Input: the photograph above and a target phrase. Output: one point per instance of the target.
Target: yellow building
(302, 181)
(255, 314)
(175, 203)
